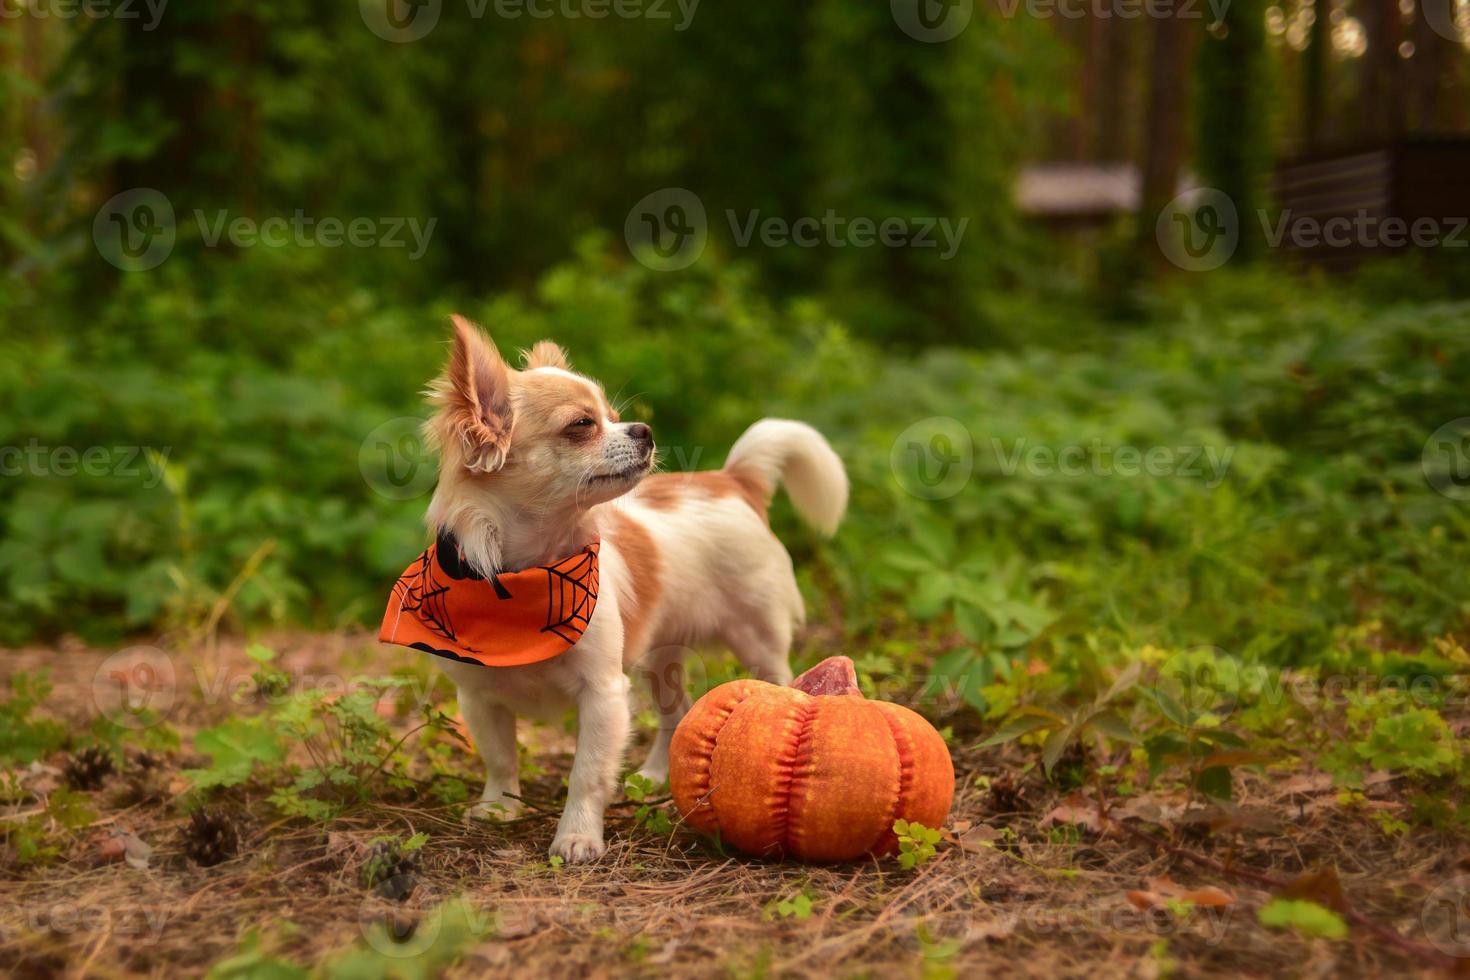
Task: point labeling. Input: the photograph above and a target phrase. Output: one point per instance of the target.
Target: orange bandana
(442, 606)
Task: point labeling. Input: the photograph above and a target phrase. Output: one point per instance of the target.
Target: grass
(1027, 878)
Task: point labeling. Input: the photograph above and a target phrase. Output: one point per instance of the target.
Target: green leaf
(1055, 745)
(260, 654)
(1111, 725)
(234, 748)
(1014, 728)
(1307, 918)
(1215, 782)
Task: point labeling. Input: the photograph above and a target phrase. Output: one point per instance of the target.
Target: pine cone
(145, 777)
(1007, 794)
(211, 837)
(87, 768)
(389, 870)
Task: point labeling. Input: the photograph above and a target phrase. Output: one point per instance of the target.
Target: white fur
(795, 455)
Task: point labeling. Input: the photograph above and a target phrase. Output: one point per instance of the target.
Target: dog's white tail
(794, 455)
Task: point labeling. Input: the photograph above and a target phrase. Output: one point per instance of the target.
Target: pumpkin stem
(835, 675)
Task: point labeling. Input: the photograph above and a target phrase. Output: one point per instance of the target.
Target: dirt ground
(1031, 880)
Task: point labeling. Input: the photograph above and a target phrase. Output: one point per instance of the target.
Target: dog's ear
(478, 397)
(547, 354)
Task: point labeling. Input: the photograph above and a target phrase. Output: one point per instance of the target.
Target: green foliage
(1307, 918)
(234, 747)
(797, 906)
(344, 749)
(916, 843)
(24, 738)
(1062, 730)
(654, 819)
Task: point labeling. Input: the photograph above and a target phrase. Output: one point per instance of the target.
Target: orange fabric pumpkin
(813, 771)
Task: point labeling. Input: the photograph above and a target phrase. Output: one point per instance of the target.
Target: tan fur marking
(640, 554)
(664, 491)
(547, 354)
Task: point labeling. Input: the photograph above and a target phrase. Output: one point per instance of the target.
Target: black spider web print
(424, 595)
(571, 595)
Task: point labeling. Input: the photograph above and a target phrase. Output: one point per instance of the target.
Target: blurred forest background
(252, 376)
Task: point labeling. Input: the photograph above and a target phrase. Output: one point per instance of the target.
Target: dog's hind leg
(763, 648)
(663, 669)
(493, 730)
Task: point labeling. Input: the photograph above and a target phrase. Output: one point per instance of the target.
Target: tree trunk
(1165, 129)
(1314, 76)
(1382, 106)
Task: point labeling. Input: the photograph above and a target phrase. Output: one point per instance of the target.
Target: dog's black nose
(640, 432)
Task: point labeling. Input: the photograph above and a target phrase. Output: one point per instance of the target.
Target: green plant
(23, 737)
(916, 843)
(1307, 918)
(654, 819)
(1063, 729)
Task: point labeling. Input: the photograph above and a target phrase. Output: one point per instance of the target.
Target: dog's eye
(583, 422)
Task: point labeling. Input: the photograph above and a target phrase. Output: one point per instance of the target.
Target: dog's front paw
(495, 812)
(578, 848)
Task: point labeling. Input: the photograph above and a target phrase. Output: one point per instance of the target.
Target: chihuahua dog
(535, 465)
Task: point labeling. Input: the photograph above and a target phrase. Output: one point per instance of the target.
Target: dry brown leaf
(1076, 809)
(1322, 887)
(1161, 891)
(978, 838)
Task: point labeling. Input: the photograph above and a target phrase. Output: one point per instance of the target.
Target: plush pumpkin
(813, 771)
